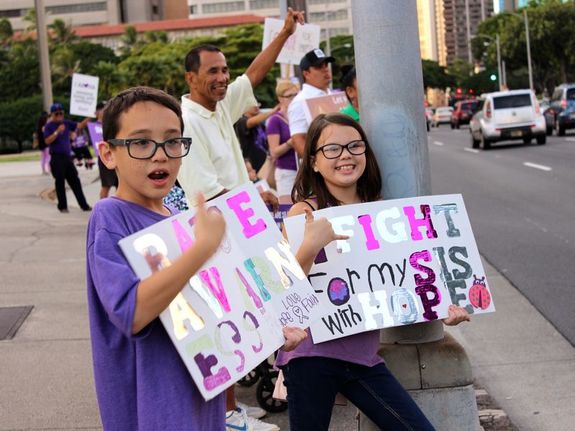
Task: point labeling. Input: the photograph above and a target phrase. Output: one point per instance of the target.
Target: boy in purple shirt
(141, 382)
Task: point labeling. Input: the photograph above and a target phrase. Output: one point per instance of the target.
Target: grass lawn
(20, 157)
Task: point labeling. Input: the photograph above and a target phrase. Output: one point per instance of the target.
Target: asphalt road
(521, 203)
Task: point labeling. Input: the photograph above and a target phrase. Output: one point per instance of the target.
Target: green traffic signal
(493, 77)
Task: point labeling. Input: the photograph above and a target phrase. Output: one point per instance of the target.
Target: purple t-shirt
(278, 126)
(141, 381)
(359, 349)
(61, 144)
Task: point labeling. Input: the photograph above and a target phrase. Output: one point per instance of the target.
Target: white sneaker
(257, 425)
(237, 420)
(252, 411)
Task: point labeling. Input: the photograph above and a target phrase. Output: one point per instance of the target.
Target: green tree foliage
(6, 32)
(20, 74)
(552, 38)
(61, 33)
(18, 121)
(436, 76)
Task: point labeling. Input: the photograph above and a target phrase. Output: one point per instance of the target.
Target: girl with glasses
(340, 168)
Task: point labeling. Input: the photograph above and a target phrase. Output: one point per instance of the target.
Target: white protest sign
(304, 39)
(228, 318)
(84, 95)
(405, 262)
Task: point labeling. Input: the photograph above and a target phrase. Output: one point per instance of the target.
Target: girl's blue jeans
(312, 384)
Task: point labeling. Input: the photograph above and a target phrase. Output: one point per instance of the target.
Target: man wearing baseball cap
(316, 74)
(58, 134)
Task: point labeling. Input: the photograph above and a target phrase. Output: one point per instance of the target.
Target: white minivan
(508, 115)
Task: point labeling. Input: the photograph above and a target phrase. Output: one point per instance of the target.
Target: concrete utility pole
(42, 39)
(433, 367)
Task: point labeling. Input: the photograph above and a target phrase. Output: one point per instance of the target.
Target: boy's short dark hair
(124, 100)
(192, 62)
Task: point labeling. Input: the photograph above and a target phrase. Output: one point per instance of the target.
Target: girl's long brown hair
(310, 184)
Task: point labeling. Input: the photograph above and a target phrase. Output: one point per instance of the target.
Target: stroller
(265, 376)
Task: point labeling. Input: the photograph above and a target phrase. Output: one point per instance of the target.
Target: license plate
(516, 133)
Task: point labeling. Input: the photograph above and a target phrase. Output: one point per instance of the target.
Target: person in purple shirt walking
(338, 168)
(142, 384)
(58, 133)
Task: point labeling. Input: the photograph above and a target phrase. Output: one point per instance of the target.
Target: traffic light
(493, 77)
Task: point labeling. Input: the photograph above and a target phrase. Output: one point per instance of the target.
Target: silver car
(442, 115)
(508, 115)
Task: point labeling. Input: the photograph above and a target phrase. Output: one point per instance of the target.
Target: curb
(491, 417)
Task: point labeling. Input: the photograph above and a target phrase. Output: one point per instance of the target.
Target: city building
(334, 16)
(457, 22)
(111, 35)
(509, 5)
(79, 13)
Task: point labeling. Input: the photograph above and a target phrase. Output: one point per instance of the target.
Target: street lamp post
(500, 82)
(528, 48)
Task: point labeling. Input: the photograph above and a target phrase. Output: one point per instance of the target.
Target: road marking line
(536, 166)
(570, 139)
(471, 150)
(439, 144)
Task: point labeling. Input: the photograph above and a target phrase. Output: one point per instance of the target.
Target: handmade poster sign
(228, 318)
(406, 260)
(324, 104)
(305, 38)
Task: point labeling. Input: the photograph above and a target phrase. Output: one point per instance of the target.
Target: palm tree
(61, 33)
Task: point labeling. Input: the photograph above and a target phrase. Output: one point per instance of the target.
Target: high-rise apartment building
(457, 23)
(78, 13)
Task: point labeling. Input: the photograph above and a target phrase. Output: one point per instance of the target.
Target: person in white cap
(316, 75)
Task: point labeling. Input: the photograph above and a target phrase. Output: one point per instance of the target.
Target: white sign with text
(84, 97)
(405, 261)
(228, 318)
(304, 39)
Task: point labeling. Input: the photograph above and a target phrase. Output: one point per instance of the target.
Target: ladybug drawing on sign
(479, 296)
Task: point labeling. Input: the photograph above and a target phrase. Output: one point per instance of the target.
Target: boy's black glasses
(143, 149)
(333, 151)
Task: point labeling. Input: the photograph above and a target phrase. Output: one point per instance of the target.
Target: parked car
(462, 113)
(428, 117)
(563, 105)
(508, 115)
(442, 115)
(549, 117)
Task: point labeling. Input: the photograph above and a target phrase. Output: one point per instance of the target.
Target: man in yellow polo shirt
(215, 163)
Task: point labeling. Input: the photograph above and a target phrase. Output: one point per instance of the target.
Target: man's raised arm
(265, 60)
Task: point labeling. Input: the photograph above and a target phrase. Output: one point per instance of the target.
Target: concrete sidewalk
(46, 372)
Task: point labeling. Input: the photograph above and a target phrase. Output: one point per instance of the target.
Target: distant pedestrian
(108, 177)
(44, 150)
(58, 133)
(340, 168)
